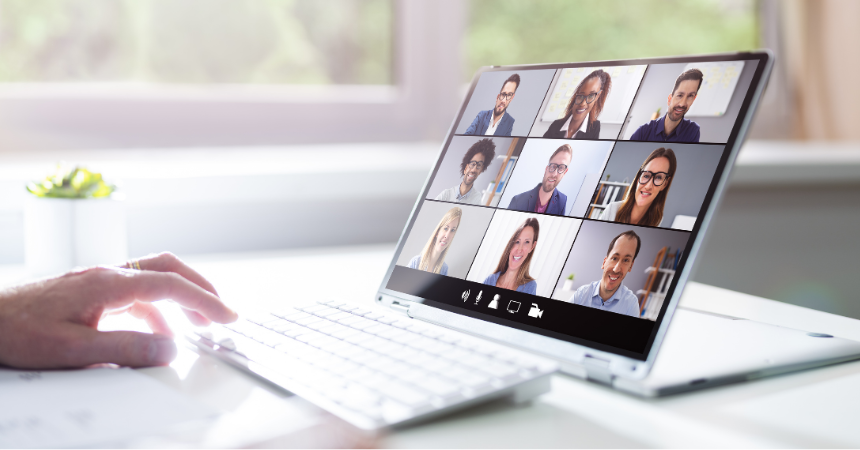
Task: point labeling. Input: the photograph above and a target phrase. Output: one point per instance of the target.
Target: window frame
(417, 106)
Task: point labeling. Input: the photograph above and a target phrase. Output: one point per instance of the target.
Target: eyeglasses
(475, 164)
(503, 96)
(560, 168)
(658, 177)
(590, 98)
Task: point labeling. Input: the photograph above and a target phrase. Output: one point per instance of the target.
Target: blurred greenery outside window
(320, 42)
(503, 32)
(337, 42)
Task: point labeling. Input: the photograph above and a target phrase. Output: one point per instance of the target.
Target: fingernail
(162, 350)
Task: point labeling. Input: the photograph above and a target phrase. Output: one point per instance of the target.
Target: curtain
(822, 56)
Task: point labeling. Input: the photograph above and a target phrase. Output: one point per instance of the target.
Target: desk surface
(816, 408)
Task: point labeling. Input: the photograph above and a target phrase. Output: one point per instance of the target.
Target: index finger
(149, 286)
(168, 262)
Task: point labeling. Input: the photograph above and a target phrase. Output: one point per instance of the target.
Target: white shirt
(491, 129)
(473, 197)
(582, 127)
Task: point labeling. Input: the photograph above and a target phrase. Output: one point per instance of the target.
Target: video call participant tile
(655, 184)
(470, 168)
(689, 102)
(608, 268)
(523, 252)
(445, 238)
(555, 176)
(588, 102)
(505, 103)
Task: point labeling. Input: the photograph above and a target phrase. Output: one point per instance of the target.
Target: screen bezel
(632, 361)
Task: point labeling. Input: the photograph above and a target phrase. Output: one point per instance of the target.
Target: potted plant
(73, 218)
(568, 283)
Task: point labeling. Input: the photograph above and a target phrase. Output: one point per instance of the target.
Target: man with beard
(673, 127)
(609, 294)
(545, 198)
(475, 162)
(497, 121)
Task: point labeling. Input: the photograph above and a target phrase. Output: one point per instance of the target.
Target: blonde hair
(450, 216)
(523, 276)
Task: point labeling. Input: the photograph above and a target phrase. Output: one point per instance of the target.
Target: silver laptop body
(696, 349)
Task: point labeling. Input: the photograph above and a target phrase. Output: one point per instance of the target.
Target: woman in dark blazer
(583, 109)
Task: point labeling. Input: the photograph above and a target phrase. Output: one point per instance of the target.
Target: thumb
(125, 348)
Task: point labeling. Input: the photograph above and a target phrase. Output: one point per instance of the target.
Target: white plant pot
(568, 285)
(61, 234)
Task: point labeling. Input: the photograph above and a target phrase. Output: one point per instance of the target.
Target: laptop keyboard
(382, 366)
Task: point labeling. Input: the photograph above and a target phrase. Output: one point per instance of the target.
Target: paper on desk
(87, 407)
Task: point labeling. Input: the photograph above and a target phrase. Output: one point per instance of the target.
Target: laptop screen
(565, 198)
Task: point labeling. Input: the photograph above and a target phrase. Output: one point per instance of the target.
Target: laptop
(555, 232)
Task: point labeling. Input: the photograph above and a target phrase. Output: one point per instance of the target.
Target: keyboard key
(438, 386)
(387, 320)
(361, 311)
(406, 395)
(305, 321)
(350, 319)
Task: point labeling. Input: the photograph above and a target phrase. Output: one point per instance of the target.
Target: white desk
(817, 408)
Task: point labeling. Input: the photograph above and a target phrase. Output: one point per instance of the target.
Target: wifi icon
(465, 295)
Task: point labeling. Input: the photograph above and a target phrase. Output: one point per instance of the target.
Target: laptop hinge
(597, 369)
(401, 308)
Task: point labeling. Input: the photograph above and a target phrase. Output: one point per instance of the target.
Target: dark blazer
(482, 122)
(592, 131)
(528, 200)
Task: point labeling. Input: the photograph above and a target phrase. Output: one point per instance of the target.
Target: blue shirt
(686, 131)
(481, 123)
(528, 288)
(415, 263)
(623, 301)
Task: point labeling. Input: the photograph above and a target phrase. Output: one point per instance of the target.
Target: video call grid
(582, 218)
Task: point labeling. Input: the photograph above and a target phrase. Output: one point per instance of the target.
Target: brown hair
(523, 276)
(450, 216)
(692, 74)
(563, 148)
(630, 234)
(605, 86)
(515, 78)
(654, 215)
(485, 147)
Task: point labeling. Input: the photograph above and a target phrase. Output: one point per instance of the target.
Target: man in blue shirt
(497, 121)
(673, 127)
(609, 294)
(545, 198)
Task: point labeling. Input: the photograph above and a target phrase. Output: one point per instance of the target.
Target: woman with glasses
(583, 109)
(432, 258)
(646, 198)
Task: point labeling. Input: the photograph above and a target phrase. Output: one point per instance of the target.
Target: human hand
(52, 323)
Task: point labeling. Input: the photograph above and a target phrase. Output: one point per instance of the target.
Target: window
(318, 42)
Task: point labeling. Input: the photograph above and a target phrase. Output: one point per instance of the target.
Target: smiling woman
(513, 269)
(646, 198)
